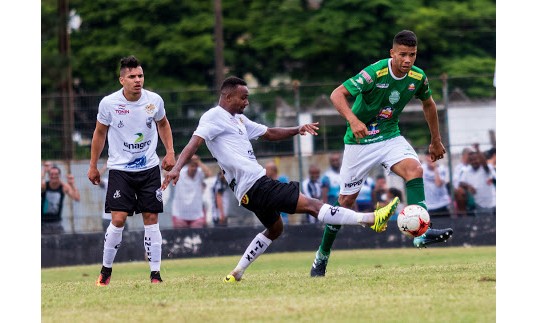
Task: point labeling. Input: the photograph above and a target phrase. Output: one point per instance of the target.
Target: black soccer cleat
(433, 236)
(155, 277)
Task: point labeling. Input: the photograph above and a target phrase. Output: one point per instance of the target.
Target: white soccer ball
(414, 220)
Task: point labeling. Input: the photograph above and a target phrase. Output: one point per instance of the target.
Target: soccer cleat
(432, 236)
(382, 215)
(104, 276)
(230, 279)
(319, 268)
(155, 277)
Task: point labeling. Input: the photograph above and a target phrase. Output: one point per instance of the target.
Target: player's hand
(436, 150)
(171, 176)
(94, 176)
(310, 128)
(169, 161)
(359, 129)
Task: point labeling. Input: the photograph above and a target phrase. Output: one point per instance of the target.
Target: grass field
(381, 285)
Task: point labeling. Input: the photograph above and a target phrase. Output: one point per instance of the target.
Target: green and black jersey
(380, 97)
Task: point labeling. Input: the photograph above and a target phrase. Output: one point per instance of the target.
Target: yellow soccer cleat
(382, 215)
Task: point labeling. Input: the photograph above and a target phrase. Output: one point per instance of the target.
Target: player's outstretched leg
(382, 215)
(432, 236)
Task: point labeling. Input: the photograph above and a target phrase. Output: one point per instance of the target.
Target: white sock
(152, 243)
(112, 243)
(340, 215)
(254, 250)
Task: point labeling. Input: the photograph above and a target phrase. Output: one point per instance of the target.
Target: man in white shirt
(227, 132)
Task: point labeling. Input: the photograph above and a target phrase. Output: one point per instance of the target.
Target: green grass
(382, 285)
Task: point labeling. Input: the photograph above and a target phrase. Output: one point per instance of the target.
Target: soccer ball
(414, 220)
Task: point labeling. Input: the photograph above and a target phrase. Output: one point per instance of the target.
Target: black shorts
(268, 197)
(134, 191)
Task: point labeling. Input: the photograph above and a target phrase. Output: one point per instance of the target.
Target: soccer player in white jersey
(132, 119)
(227, 134)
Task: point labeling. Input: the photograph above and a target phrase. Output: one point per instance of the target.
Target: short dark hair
(231, 82)
(129, 62)
(395, 192)
(406, 38)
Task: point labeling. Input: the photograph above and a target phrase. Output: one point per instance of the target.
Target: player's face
(132, 81)
(403, 58)
(239, 99)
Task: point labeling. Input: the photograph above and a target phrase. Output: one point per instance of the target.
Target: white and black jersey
(132, 132)
(228, 139)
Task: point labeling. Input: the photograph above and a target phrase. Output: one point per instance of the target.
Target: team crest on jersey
(386, 113)
(150, 109)
(411, 87)
(149, 122)
(245, 199)
(394, 97)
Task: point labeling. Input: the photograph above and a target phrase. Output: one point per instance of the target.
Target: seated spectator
(478, 184)
(312, 188)
(435, 176)
(364, 198)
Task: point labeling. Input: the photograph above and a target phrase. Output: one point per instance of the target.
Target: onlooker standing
(330, 181)
(218, 213)
(53, 193)
(187, 201)
(312, 188)
(435, 189)
(271, 171)
(132, 119)
(364, 199)
(478, 182)
(460, 196)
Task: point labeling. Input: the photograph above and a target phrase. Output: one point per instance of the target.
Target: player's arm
(165, 133)
(436, 148)
(98, 144)
(279, 133)
(339, 98)
(185, 155)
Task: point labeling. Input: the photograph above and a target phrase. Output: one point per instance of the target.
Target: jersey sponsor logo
(386, 113)
(366, 76)
(353, 184)
(372, 129)
(415, 75)
(121, 110)
(411, 87)
(138, 143)
(137, 163)
(150, 109)
(149, 122)
(394, 97)
(382, 72)
(245, 199)
(382, 85)
(355, 84)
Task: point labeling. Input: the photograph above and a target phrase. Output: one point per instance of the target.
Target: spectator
(219, 202)
(491, 156)
(460, 195)
(435, 189)
(391, 194)
(53, 192)
(379, 193)
(330, 182)
(271, 171)
(477, 181)
(312, 188)
(364, 199)
(187, 201)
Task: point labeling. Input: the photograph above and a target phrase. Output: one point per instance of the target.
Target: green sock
(329, 234)
(415, 192)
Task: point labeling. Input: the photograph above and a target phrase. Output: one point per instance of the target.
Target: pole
(296, 85)
(219, 46)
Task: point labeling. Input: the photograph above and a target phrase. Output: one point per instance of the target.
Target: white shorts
(359, 160)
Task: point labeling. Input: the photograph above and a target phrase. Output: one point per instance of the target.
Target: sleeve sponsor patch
(366, 76)
(415, 75)
(382, 72)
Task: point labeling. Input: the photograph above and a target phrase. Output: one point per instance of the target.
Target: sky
(517, 215)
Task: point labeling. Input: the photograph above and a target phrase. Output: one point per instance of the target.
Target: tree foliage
(175, 39)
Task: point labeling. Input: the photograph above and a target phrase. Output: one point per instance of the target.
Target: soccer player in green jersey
(381, 92)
